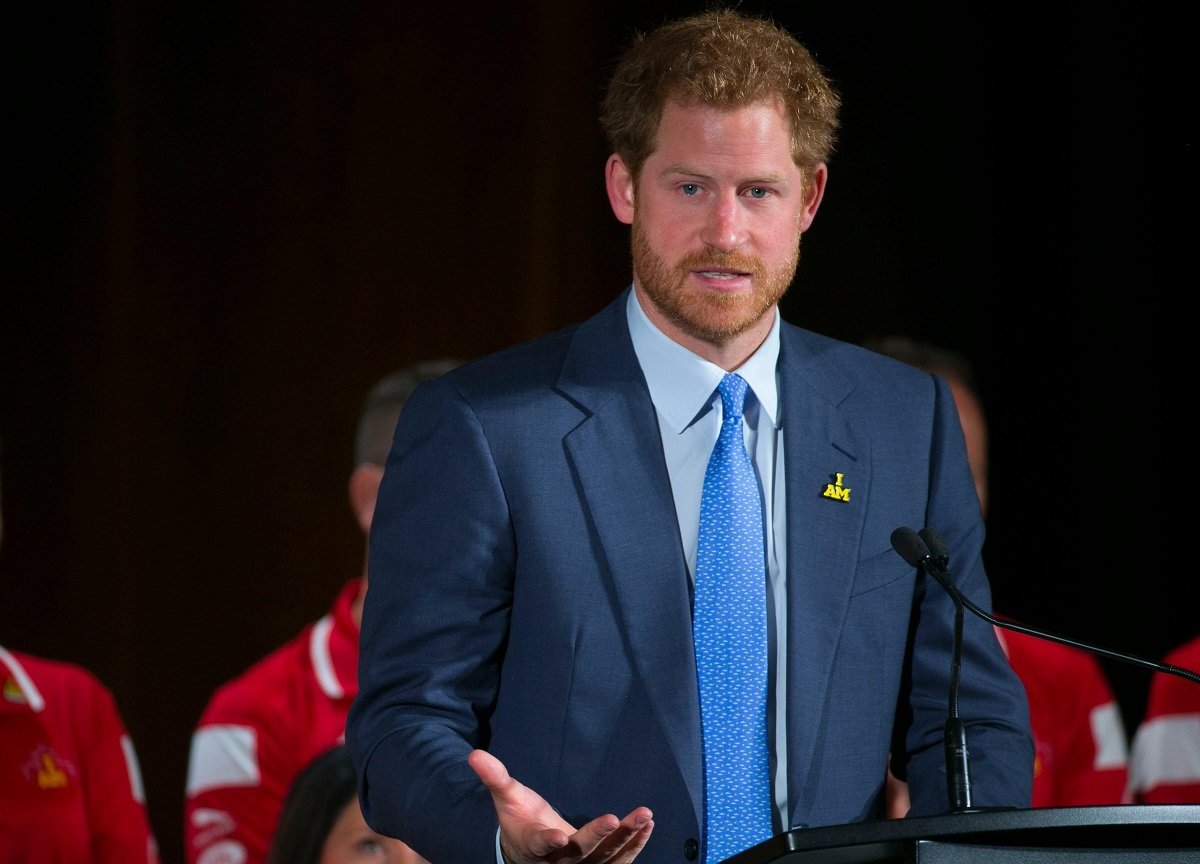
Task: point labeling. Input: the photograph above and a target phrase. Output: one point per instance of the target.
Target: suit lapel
(821, 448)
(617, 454)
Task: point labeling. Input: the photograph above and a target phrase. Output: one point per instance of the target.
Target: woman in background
(321, 822)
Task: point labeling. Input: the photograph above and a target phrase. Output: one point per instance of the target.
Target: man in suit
(528, 669)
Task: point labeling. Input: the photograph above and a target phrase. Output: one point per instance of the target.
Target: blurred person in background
(1081, 747)
(70, 785)
(1164, 765)
(261, 728)
(321, 822)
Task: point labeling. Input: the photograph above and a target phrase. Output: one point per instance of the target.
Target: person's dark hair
(316, 797)
(724, 59)
(381, 408)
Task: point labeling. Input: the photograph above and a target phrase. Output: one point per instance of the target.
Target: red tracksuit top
(1081, 748)
(1164, 767)
(259, 729)
(70, 786)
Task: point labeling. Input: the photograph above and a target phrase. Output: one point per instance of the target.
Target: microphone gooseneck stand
(927, 552)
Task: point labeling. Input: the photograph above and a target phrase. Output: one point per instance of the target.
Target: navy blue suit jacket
(529, 595)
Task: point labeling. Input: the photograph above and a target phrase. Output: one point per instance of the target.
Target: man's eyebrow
(689, 171)
(683, 168)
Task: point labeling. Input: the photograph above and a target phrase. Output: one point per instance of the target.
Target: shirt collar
(18, 686)
(682, 383)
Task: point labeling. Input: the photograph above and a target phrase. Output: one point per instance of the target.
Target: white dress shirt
(683, 387)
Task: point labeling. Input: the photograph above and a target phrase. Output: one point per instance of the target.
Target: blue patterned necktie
(729, 626)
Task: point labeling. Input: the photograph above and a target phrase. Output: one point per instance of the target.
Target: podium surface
(1150, 833)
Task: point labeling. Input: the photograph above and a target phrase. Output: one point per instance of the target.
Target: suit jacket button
(691, 849)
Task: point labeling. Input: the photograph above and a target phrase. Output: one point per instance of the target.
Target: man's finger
(616, 840)
(489, 769)
(516, 803)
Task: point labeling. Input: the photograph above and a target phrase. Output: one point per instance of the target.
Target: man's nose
(725, 227)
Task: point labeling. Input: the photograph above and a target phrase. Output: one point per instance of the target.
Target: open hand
(532, 832)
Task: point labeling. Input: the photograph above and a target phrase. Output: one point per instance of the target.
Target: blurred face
(716, 217)
(350, 841)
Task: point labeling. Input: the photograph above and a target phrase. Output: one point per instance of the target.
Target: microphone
(927, 551)
(934, 557)
(914, 549)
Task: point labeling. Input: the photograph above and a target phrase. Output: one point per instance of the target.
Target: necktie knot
(733, 396)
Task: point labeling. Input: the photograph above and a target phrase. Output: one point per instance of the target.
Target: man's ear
(619, 183)
(813, 195)
(364, 489)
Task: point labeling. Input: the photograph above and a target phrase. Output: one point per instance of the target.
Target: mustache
(709, 259)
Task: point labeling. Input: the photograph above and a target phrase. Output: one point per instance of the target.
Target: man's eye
(689, 189)
(757, 192)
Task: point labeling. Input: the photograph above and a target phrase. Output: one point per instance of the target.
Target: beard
(707, 315)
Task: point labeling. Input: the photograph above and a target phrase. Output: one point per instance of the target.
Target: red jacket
(1165, 764)
(70, 785)
(259, 729)
(1081, 750)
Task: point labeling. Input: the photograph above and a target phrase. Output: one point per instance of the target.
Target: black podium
(1127, 834)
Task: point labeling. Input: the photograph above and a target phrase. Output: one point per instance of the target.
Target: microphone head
(910, 546)
(937, 546)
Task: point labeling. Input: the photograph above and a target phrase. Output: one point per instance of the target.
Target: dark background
(227, 221)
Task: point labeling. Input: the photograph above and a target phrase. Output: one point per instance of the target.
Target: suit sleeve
(440, 571)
